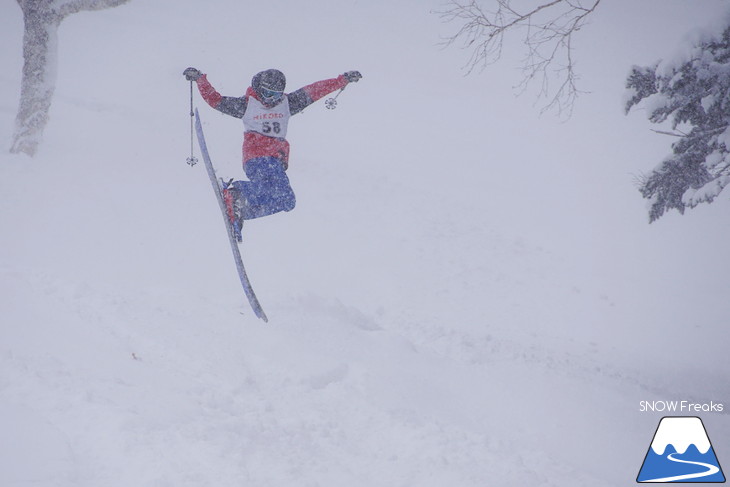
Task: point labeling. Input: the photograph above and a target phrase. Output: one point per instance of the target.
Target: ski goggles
(271, 95)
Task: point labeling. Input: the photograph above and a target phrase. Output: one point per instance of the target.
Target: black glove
(352, 76)
(192, 74)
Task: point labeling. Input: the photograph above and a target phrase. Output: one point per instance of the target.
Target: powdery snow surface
(466, 294)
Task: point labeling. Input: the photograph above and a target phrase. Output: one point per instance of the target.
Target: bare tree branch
(673, 134)
(547, 31)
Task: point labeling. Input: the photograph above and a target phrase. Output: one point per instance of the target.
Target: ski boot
(235, 204)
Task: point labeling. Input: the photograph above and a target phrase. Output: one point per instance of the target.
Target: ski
(248, 290)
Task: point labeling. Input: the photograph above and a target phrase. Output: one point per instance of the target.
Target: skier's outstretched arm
(303, 97)
(229, 105)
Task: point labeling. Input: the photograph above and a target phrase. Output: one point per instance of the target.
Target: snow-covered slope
(465, 295)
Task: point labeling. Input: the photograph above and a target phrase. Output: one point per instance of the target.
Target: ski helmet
(269, 86)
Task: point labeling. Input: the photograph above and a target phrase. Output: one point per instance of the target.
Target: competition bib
(271, 122)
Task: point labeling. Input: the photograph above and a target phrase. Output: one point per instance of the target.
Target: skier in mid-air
(265, 110)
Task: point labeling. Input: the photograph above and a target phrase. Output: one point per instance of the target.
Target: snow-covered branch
(691, 91)
(64, 8)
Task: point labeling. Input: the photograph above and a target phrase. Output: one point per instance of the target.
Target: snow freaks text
(680, 407)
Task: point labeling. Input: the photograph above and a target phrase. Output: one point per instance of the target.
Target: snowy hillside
(467, 294)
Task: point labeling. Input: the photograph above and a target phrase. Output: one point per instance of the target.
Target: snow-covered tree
(692, 93)
(40, 53)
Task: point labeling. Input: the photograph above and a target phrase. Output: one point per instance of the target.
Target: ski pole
(192, 160)
(331, 103)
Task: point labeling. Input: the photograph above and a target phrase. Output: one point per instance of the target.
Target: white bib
(271, 122)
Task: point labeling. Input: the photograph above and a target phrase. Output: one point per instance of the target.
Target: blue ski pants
(268, 190)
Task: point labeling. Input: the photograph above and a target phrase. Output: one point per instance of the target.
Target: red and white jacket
(261, 138)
